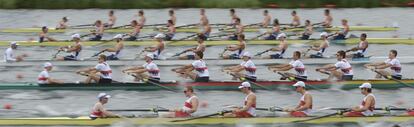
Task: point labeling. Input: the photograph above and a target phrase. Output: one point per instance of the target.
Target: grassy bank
(130, 4)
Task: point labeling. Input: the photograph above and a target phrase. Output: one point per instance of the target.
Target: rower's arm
(108, 113)
(327, 67)
(250, 102)
(132, 68)
(275, 49)
(383, 66)
(73, 48)
(237, 69)
(151, 49)
(308, 103)
(138, 71)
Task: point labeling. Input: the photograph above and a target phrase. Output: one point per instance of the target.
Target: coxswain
(304, 108)
(345, 67)
(136, 29)
(203, 17)
(361, 49)
(321, 49)
(295, 64)
(74, 49)
(392, 62)
(280, 50)
(247, 65)
(169, 35)
(150, 67)
(249, 108)
(98, 32)
(199, 66)
(275, 31)
(239, 29)
(295, 19)
(44, 77)
(9, 55)
(171, 13)
(201, 47)
(158, 48)
(98, 110)
(308, 30)
(63, 24)
(340, 35)
(111, 20)
(328, 19)
(142, 19)
(267, 19)
(115, 51)
(368, 103)
(236, 49)
(44, 37)
(190, 105)
(101, 73)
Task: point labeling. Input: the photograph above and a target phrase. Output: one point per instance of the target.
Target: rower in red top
(63, 24)
(392, 62)
(328, 19)
(199, 65)
(44, 77)
(295, 64)
(98, 110)
(190, 105)
(44, 37)
(345, 67)
(368, 103)
(104, 70)
(249, 108)
(247, 65)
(304, 107)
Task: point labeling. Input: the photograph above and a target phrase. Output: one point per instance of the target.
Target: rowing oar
(184, 38)
(55, 55)
(204, 116)
(271, 109)
(186, 25)
(391, 78)
(153, 83)
(296, 79)
(140, 110)
(339, 112)
(254, 24)
(384, 109)
(256, 84)
(260, 53)
(94, 55)
(85, 35)
(81, 25)
(178, 54)
(162, 24)
(87, 75)
(118, 27)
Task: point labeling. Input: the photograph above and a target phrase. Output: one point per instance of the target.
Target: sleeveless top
(302, 103)
(370, 111)
(252, 109)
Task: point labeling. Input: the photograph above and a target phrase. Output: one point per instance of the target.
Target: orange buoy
(7, 106)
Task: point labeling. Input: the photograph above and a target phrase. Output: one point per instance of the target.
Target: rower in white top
(392, 62)
(280, 50)
(115, 51)
(295, 64)
(63, 24)
(101, 73)
(150, 67)
(321, 49)
(73, 49)
(367, 106)
(98, 110)
(158, 48)
(304, 108)
(9, 55)
(247, 65)
(249, 107)
(44, 77)
(237, 49)
(190, 105)
(201, 47)
(112, 19)
(345, 67)
(361, 49)
(199, 66)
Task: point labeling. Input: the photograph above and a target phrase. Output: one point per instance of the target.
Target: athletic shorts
(104, 81)
(202, 79)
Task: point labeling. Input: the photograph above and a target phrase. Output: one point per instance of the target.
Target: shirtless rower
(158, 48)
(295, 64)
(63, 24)
(361, 49)
(239, 29)
(205, 29)
(392, 62)
(142, 19)
(201, 47)
(304, 108)
(267, 19)
(280, 50)
(169, 35)
(171, 13)
(368, 103)
(247, 65)
(295, 19)
(328, 19)
(190, 105)
(111, 20)
(149, 66)
(115, 51)
(321, 49)
(101, 73)
(249, 107)
(345, 67)
(236, 49)
(203, 17)
(199, 66)
(44, 37)
(340, 35)
(8, 54)
(98, 32)
(98, 110)
(44, 77)
(233, 17)
(74, 49)
(275, 30)
(308, 30)
(133, 35)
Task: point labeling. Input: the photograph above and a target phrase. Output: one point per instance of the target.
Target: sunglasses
(185, 91)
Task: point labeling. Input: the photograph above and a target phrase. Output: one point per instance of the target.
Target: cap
(150, 55)
(281, 35)
(324, 34)
(101, 95)
(118, 36)
(13, 43)
(159, 35)
(366, 85)
(244, 85)
(47, 64)
(299, 83)
(75, 36)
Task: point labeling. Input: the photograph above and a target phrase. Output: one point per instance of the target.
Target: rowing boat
(196, 29)
(86, 121)
(212, 85)
(221, 42)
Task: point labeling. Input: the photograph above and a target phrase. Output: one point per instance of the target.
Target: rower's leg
(338, 75)
(192, 75)
(382, 72)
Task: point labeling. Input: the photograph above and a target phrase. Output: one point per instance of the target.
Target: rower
(157, 49)
(205, 29)
(237, 49)
(8, 54)
(63, 24)
(343, 32)
(296, 64)
(149, 66)
(201, 47)
(199, 66)
(342, 64)
(239, 29)
(304, 108)
(266, 20)
(368, 103)
(249, 108)
(392, 62)
(190, 105)
(74, 49)
(280, 50)
(361, 49)
(203, 17)
(295, 19)
(111, 21)
(172, 16)
(247, 65)
(115, 51)
(322, 47)
(308, 30)
(98, 110)
(233, 17)
(98, 32)
(328, 19)
(104, 70)
(133, 35)
(171, 30)
(44, 77)
(142, 19)
(43, 37)
(275, 30)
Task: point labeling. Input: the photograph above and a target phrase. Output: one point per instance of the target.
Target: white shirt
(395, 66)
(43, 77)
(345, 67)
(299, 67)
(201, 68)
(370, 111)
(8, 55)
(152, 69)
(249, 67)
(105, 70)
(302, 103)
